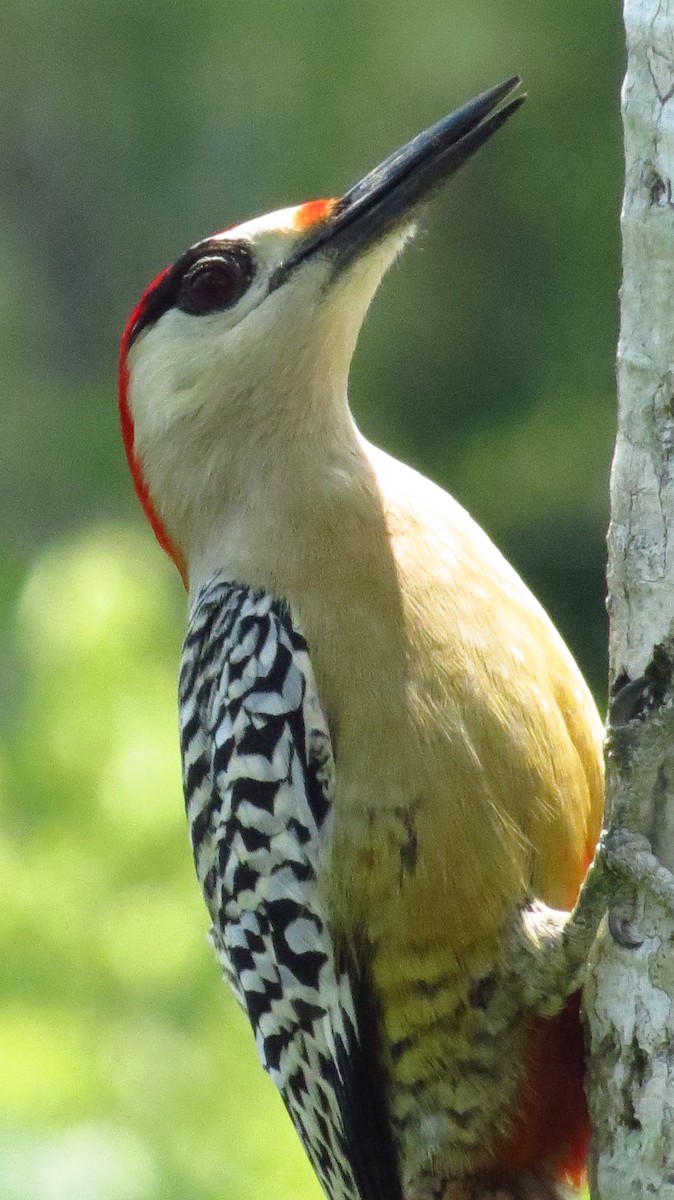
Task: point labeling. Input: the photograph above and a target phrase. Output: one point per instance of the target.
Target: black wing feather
(259, 779)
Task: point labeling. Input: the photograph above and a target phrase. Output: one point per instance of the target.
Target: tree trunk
(629, 998)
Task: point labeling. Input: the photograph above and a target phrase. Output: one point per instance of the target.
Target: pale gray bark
(630, 993)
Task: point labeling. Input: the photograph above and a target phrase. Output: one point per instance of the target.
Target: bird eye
(215, 281)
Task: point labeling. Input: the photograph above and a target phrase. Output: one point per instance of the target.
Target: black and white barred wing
(259, 779)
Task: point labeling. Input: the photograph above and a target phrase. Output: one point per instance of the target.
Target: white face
(218, 399)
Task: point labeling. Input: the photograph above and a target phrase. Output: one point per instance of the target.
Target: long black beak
(386, 196)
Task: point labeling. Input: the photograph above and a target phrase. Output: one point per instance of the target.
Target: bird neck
(277, 504)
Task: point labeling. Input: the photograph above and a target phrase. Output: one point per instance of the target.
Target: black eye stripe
(166, 293)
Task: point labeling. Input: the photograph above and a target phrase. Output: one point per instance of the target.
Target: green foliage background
(128, 130)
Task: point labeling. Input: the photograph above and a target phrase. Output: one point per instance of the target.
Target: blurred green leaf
(126, 1064)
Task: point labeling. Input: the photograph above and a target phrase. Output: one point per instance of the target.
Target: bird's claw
(631, 867)
(622, 929)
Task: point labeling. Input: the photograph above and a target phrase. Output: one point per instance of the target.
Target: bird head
(234, 364)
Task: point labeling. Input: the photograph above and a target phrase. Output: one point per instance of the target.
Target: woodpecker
(392, 765)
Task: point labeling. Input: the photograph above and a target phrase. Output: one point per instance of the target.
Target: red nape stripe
(552, 1126)
(312, 212)
(126, 422)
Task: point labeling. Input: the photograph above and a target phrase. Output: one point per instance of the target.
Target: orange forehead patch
(312, 212)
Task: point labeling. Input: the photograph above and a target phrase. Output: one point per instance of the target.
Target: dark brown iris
(215, 281)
